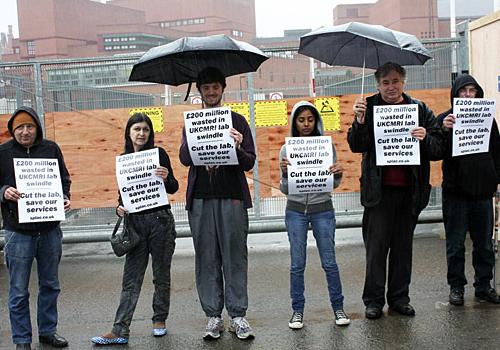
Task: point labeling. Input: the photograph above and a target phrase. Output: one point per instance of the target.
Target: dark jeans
(157, 231)
(323, 226)
(388, 230)
(476, 216)
(20, 251)
(220, 229)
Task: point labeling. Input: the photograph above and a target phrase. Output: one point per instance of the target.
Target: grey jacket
(313, 202)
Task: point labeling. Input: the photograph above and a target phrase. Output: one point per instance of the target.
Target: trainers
(159, 329)
(341, 318)
(215, 326)
(240, 326)
(297, 320)
(456, 296)
(109, 339)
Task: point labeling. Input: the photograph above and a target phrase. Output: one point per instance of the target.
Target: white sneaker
(214, 328)
(341, 318)
(240, 326)
(297, 321)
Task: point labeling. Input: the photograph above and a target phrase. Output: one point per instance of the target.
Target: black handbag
(125, 241)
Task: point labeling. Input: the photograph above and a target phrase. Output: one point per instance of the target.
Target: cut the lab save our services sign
(140, 188)
(39, 182)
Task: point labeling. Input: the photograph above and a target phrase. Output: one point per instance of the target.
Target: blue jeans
(323, 226)
(20, 251)
(476, 216)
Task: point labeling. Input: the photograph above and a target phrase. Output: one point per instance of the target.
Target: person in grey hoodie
(315, 209)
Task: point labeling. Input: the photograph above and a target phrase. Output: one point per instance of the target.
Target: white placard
(393, 141)
(39, 181)
(208, 138)
(140, 188)
(310, 159)
(472, 128)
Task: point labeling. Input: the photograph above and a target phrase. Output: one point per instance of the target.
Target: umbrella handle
(363, 78)
(189, 90)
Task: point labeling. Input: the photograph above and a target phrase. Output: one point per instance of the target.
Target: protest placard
(393, 141)
(140, 188)
(310, 158)
(472, 128)
(39, 182)
(208, 137)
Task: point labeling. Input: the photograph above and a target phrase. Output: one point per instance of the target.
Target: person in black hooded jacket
(25, 242)
(469, 183)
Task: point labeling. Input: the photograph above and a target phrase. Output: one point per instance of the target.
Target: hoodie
(41, 148)
(473, 176)
(312, 202)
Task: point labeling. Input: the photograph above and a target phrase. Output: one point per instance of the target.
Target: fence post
(39, 94)
(256, 183)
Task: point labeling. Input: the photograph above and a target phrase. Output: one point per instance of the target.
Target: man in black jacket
(25, 242)
(393, 196)
(469, 183)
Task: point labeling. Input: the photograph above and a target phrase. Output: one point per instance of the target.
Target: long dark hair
(314, 112)
(134, 119)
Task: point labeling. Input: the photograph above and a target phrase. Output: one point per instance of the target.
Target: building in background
(53, 29)
(426, 19)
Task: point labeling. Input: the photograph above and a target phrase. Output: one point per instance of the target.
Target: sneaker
(297, 320)
(159, 329)
(240, 326)
(341, 318)
(456, 296)
(215, 326)
(109, 339)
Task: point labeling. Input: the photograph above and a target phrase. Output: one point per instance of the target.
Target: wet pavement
(91, 277)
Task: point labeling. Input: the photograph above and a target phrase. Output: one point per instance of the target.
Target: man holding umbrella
(393, 196)
(217, 199)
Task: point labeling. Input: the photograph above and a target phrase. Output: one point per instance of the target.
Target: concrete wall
(484, 46)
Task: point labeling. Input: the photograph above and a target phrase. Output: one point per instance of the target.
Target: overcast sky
(273, 16)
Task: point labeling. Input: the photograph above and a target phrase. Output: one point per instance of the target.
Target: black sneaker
(297, 321)
(489, 294)
(456, 296)
(341, 318)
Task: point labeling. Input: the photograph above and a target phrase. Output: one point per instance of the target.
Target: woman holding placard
(315, 209)
(156, 228)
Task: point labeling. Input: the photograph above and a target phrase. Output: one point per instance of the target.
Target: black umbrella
(180, 61)
(362, 45)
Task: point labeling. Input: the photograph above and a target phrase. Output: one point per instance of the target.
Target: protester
(156, 228)
(217, 199)
(315, 209)
(393, 196)
(469, 183)
(25, 242)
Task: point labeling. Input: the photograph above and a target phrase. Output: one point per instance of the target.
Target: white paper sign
(140, 188)
(472, 128)
(39, 181)
(393, 141)
(208, 138)
(310, 159)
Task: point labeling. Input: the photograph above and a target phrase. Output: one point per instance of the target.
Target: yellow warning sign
(329, 108)
(154, 113)
(241, 108)
(271, 113)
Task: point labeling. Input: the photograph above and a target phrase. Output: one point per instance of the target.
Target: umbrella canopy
(180, 61)
(362, 45)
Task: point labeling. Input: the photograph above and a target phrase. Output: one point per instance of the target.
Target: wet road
(91, 277)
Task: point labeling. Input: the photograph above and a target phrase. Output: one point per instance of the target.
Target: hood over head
(21, 113)
(299, 107)
(463, 80)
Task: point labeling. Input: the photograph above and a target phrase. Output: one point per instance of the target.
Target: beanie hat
(22, 118)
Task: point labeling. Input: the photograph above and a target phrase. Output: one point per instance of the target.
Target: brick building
(50, 29)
